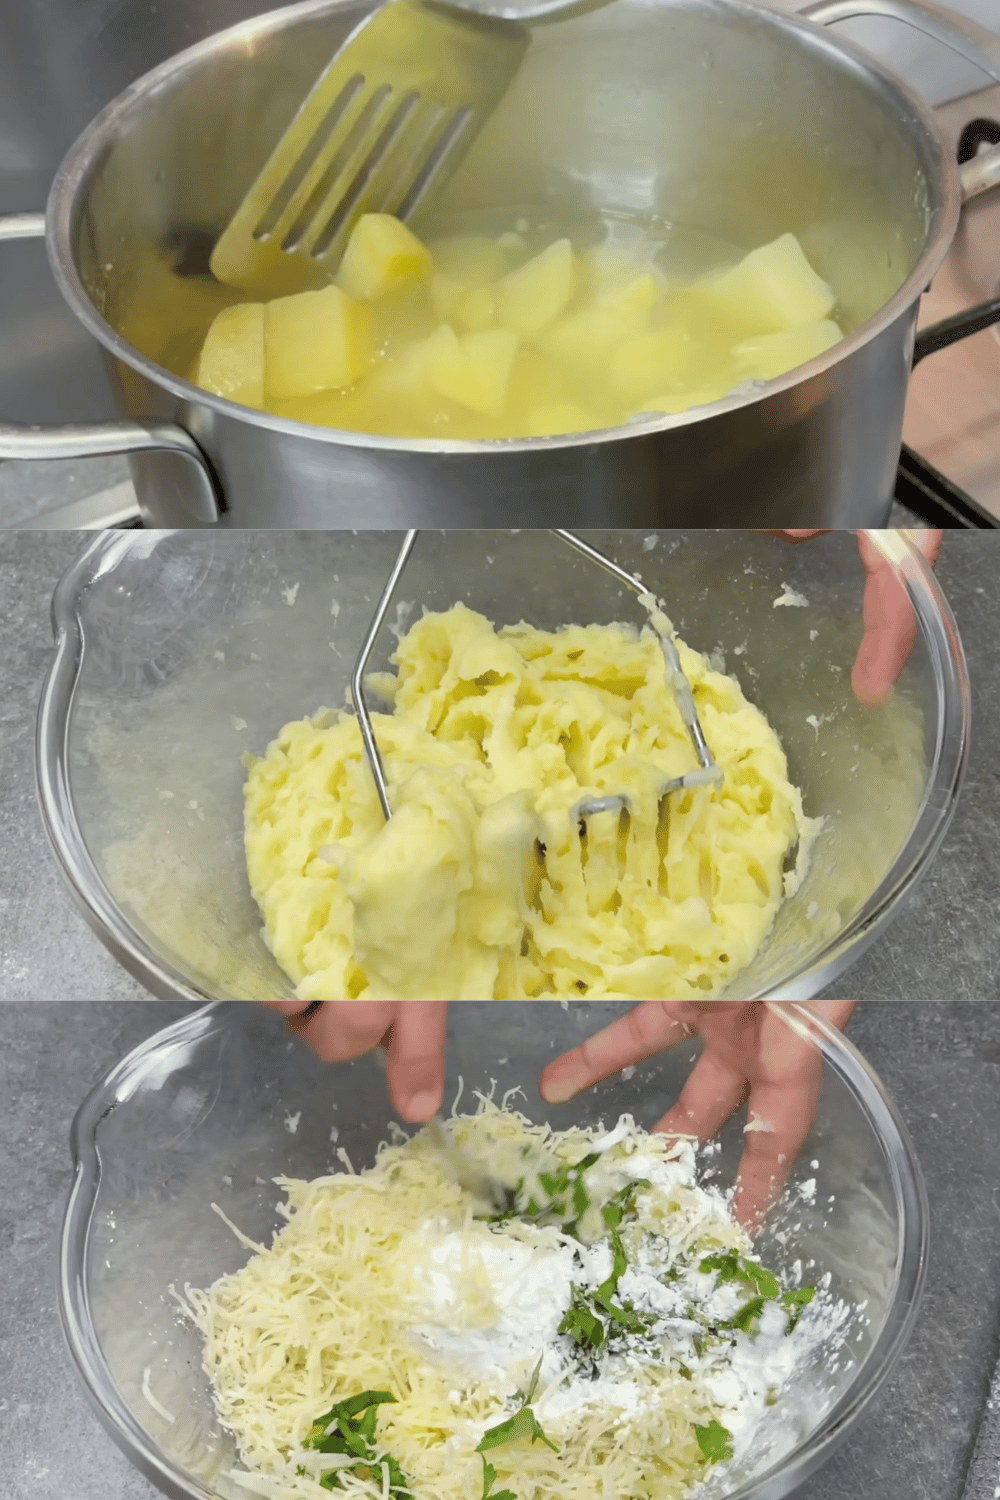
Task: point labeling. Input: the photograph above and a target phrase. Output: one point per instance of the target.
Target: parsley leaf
(619, 1265)
(348, 1428)
(489, 1480)
(746, 1317)
(729, 1265)
(617, 1207)
(523, 1424)
(581, 1323)
(794, 1301)
(715, 1441)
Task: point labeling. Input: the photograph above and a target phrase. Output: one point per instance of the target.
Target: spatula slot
(399, 121)
(304, 164)
(339, 164)
(442, 149)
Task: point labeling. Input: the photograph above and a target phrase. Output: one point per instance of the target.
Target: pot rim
(79, 164)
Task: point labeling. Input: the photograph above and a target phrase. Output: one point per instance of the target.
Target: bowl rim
(174, 1044)
(946, 772)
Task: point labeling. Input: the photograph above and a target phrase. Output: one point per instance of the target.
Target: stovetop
(953, 408)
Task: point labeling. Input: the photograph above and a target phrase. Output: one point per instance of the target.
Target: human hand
(890, 624)
(749, 1053)
(412, 1033)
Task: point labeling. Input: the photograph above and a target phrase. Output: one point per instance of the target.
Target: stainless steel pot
(716, 114)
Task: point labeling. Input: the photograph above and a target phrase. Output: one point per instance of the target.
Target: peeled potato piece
(473, 371)
(559, 417)
(315, 341)
(469, 260)
(530, 299)
(649, 362)
(381, 256)
(232, 356)
(606, 268)
(475, 309)
(586, 336)
(773, 354)
(770, 290)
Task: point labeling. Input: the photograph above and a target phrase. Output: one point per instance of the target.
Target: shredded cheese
(386, 1280)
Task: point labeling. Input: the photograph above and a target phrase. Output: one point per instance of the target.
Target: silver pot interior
(727, 121)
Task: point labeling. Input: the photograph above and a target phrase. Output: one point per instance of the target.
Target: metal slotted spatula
(392, 115)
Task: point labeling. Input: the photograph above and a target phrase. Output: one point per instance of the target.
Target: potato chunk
(315, 341)
(586, 336)
(651, 361)
(607, 268)
(382, 255)
(530, 299)
(231, 363)
(771, 289)
(772, 354)
(475, 370)
(469, 260)
(558, 418)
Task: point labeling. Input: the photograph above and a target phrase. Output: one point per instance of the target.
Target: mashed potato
(483, 885)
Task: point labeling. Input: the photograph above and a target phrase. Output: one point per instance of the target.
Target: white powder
(523, 1287)
(530, 1287)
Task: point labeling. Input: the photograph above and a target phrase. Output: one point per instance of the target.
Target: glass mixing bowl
(178, 652)
(214, 1107)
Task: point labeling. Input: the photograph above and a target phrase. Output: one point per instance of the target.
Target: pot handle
(101, 439)
(963, 36)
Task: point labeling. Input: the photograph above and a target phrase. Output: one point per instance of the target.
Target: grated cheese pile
(397, 1280)
(481, 885)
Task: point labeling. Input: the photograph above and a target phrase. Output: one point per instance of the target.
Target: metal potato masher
(707, 772)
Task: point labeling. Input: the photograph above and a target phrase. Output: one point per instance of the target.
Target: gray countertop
(945, 944)
(940, 1060)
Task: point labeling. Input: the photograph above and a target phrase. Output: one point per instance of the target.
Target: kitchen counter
(940, 1060)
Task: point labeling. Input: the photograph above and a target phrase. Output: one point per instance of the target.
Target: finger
(783, 1100)
(415, 1063)
(768, 1156)
(713, 1093)
(786, 535)
(644, 1031)
(287, 1007)
(929, 543)
(890, 629)
(343, 1029)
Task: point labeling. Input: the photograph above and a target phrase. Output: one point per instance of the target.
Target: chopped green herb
(348, 1428)
(523, 1424)
(747, 1316)
(715, 1441)
(766, 1283)
(489, 1480)
(794, 1301)
(619, 1265)
(581, 1323)
(726, 1263)
(529, 1394)
(729, 1265)
(617, 1207)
